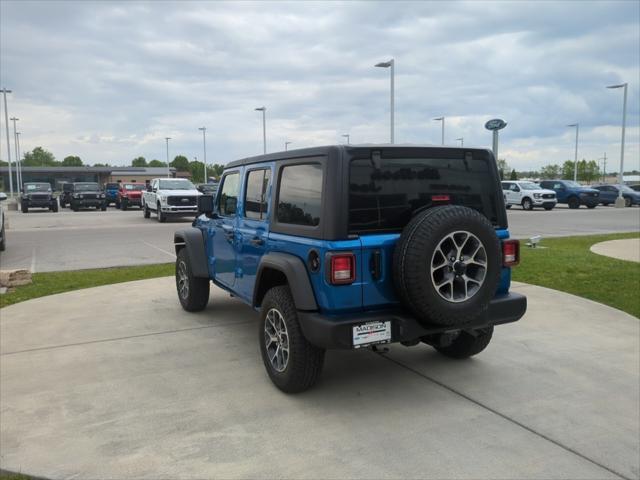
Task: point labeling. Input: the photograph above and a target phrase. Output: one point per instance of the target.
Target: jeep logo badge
(495, 124)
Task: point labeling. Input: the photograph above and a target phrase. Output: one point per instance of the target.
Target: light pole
(168, 170)
(619, 200)
(604, 168)
(15, 144)
(390, 64)
(461, 141)
(441, 119)
(6, 120)
(19, 163)
(348, 137)
(204, 146)
(575, 159)
(264, 127)
(286, 145)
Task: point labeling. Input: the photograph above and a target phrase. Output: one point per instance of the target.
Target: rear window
(384, 197)
(300, 195)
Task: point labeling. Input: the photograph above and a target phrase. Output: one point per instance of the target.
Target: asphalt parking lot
(44, 241)
(137, 388)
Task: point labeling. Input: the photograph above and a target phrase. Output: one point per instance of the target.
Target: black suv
(37, 195)
(345, 247)
(83, 195)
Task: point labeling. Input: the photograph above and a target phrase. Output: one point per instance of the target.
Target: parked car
(170, 197)
(37, 195)
(346, 247)
(65, 195)
(572, 193)
(111, 193)
(635, 188)
(87, 194)
(528, 195)
(609, 193)
(3, 237)
(129, 195)
(207, 188)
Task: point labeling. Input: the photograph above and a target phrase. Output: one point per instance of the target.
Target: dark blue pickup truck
(572, 193)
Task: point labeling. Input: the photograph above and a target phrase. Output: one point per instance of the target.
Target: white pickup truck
(170, 197)
(528, 194)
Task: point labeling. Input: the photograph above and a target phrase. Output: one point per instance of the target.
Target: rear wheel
(507, 207)
(465, 344)
(591, 206)
(627, 202)
(574, 202)
(74, 207)
(123, 205)
(193, 292)
(293, 364)
(54, 207)
(527, 204)
(25, 207)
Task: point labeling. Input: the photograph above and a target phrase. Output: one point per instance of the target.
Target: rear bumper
(336, 332)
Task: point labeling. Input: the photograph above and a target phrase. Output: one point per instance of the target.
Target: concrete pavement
(42, 241)
(627, 249)
(100, 384)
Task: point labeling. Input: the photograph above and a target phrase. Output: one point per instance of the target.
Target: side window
(506, 186)
(557, 186)
(229, 195)
(255, 199)
(300, 195)
(514, 187)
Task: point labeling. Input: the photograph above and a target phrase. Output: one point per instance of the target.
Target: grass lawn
(568, 265)
(49, 283)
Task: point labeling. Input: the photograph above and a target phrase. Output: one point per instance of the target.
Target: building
(56, 176)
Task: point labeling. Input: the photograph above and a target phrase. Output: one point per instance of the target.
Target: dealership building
(56, 176)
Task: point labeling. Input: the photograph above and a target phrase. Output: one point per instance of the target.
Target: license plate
(371, 333)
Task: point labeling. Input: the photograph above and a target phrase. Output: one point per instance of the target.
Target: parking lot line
(173, 255)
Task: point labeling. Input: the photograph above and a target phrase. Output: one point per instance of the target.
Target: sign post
(495, 125)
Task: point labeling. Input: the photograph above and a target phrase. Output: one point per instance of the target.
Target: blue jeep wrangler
(344, 247)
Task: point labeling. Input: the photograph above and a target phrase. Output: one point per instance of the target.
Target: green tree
(502, 167)
(156, 163)
(139, 162)
(514, 175)
(196, 169)
(550, 172)
(180, 163)
(215, 170)
(72, 161)
(567, 170)
(39, 157)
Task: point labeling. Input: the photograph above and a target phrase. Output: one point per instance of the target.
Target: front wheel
(54, 207)
(193, 292)
(162, 217)
(527, 204)
(627, 202)
(548, 208)
(25, 208)
(293, 364)
(574, 202)
(466, 343)
(123, 205)
(591, 207)
(145, 211)
(74, 207)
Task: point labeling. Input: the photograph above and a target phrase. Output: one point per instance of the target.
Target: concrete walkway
(119, 382)
(626, 249)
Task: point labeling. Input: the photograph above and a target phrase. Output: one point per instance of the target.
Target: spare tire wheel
(446, 265)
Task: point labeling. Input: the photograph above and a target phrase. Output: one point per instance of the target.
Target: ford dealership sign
(495, 124)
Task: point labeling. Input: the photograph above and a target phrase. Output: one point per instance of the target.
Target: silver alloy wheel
(276, 340)
(183, 280)
(458, 266)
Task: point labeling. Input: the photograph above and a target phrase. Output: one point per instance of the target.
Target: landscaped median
(49, 283)
(564, 264)
(567, 264)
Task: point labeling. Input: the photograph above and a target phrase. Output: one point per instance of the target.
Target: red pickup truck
(129, 194)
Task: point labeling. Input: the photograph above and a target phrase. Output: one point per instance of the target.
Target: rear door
(253, 227)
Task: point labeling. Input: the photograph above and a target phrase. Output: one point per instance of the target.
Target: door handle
(257, 241)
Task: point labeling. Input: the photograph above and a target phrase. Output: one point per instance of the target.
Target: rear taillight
(343, 268)
(440, 198)
(510, 253)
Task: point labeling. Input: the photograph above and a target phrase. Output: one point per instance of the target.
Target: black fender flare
(295, 271)
(193, 240)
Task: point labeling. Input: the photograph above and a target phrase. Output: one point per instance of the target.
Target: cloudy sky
(109, 80)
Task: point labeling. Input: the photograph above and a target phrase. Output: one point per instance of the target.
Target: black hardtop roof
(353, 149)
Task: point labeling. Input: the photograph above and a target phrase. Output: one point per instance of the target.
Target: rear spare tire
(446, 265)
